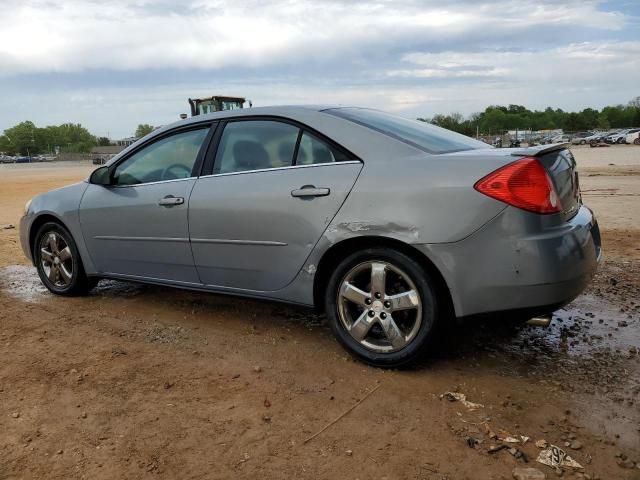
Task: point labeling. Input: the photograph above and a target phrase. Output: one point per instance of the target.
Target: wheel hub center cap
(56, 260)
(377, 306)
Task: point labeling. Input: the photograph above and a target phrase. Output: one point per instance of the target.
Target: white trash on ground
(556, 457)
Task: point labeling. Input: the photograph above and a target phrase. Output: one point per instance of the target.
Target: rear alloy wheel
(58, 262)
(636, 141)
(381, 306)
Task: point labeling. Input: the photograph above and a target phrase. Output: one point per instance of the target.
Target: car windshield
(422, 135)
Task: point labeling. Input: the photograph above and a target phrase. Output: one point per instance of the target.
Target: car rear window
(422, 135)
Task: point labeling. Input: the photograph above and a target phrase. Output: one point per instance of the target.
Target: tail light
(524, 184)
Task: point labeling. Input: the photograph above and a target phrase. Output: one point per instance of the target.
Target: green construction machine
(217, 103)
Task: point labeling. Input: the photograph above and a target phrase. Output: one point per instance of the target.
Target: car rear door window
(255, 145)
(169, 158)
(312, 150)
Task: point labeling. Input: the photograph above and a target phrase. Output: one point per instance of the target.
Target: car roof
(276, 110)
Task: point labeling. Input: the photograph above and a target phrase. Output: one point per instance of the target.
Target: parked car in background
(580, 138)
(632, 136)
(23, 160)
(390, 226)
(7, 159)
(598, 138)
(617, 137)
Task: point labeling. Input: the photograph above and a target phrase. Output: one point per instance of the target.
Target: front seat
(250, 155)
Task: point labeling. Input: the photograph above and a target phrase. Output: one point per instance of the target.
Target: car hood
(60, 201)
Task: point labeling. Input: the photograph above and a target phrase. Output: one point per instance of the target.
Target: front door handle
(310, 191)
(170, 201)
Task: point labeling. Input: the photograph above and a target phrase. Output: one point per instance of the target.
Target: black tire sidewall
(79, 284)
(424, 285)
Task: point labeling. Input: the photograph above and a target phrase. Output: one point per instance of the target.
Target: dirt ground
(143, 382)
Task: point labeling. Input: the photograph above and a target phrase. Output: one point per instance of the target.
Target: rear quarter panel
(418, 199)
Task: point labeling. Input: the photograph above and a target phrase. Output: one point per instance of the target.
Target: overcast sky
(111, 64)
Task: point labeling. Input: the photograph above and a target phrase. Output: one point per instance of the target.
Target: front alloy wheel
(58, 262)
(381, 306)
(56, 259)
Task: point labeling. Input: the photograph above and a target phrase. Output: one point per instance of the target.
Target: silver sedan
(392, 227)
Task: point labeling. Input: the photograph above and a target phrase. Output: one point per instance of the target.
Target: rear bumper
(520, 261)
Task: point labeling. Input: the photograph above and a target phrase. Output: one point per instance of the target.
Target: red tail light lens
(524, 184)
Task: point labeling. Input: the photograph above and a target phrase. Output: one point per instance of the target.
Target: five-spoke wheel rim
(379, 306)
(56, 259)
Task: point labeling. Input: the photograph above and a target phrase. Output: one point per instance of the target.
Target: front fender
(62, 206)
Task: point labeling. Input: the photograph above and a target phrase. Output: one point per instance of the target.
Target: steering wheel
(172, 172)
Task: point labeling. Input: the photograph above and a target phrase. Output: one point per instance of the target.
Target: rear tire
(58, 262)
(382, 307)
(636, 141)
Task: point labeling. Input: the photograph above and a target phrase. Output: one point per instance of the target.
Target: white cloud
(74, 35)
(111, 64)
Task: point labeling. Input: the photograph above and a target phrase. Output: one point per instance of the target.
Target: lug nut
(378, 295)
(372, 313)
(387, 304)
(367, 301)
(383, 315)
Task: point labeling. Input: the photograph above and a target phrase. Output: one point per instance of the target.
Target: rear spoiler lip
(539, 150)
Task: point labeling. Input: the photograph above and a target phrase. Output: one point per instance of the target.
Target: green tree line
(27, 139)
(497, 119)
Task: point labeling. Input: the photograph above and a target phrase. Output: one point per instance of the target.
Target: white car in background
(633, 136)
(617, 137)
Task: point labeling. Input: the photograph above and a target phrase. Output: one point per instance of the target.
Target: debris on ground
(462, 398)
(556, 457)
(510, 439)
(542, 443)
(518, 454)
(472, 442)
(343, 413)
(496, 448)
(9, 226)
(528, 473)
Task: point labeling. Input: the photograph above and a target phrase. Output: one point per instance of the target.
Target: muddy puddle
(22, 282)
(589, 326)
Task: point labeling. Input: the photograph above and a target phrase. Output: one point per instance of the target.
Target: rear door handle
(170, 201)
(310, 191)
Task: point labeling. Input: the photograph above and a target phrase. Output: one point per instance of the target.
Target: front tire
(382, 307)
(58, 262)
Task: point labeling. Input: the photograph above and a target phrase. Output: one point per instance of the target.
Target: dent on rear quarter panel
(340, 231)
(418, 199)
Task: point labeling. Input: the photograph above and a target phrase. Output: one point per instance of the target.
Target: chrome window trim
(289, 167)
(152, 183)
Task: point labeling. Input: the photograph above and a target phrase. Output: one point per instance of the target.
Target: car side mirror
(100, 176)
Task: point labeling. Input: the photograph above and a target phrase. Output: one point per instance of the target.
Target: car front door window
(169, 158)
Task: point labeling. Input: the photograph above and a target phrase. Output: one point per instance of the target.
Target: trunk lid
(561, 165)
